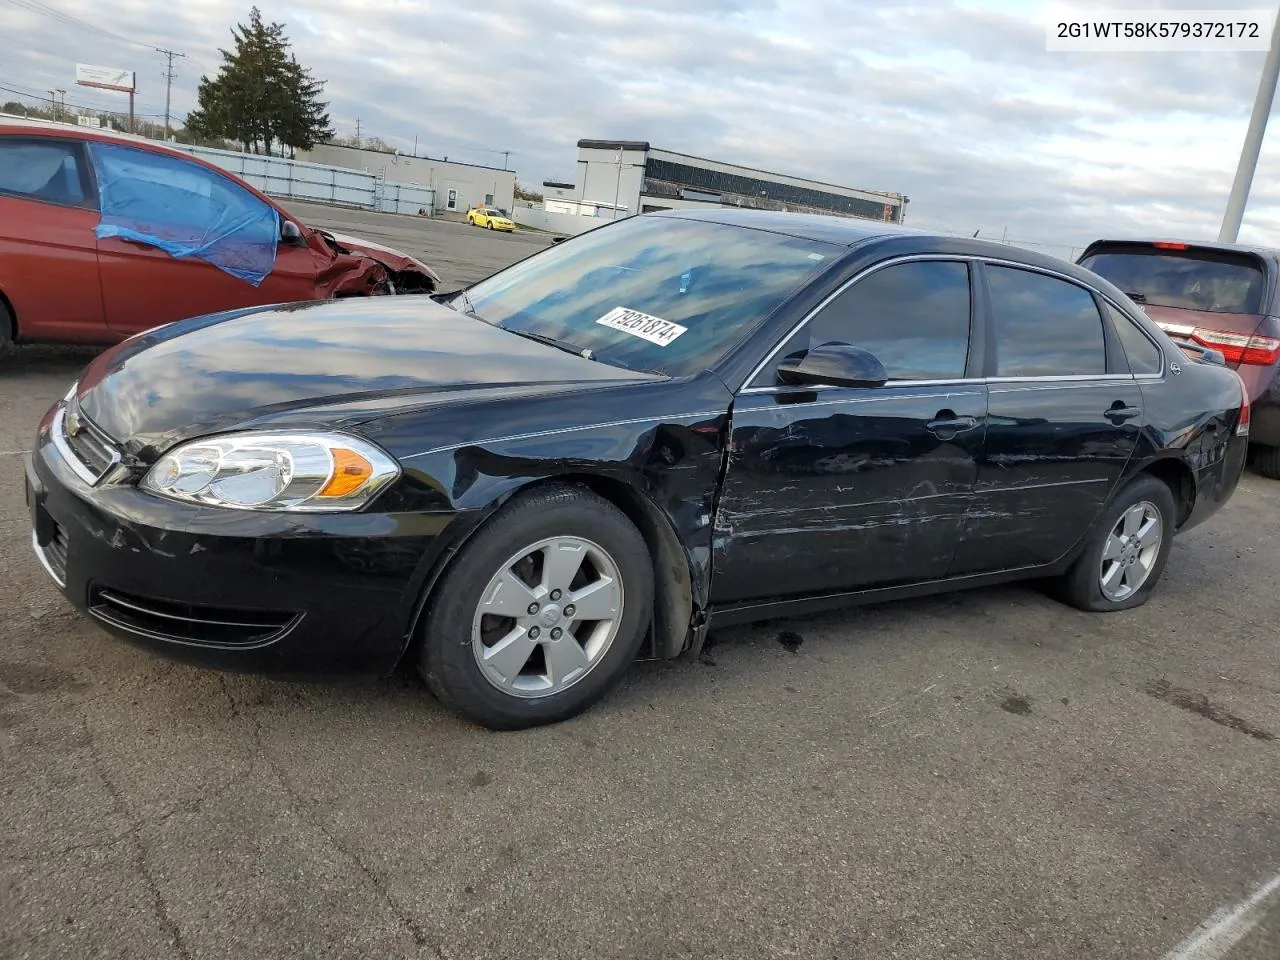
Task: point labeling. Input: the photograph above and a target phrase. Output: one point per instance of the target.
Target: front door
(453, 200)
(1064, 417)
(227, 251)
(833, 489)
(48, 260)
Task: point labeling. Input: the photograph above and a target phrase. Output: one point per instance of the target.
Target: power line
(37, 6)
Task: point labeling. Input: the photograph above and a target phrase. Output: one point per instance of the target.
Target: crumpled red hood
(389, 258)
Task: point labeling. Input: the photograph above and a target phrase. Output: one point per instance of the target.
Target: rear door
(227, 252)
(1064, 416)
(48, 255)
(832, 489)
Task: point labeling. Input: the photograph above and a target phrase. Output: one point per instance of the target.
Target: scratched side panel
(849, 491)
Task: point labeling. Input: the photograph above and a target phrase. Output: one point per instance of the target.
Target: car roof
(11, 123)
(845, 231)
(849, 231)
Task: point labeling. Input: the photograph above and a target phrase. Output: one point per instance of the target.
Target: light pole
(617, 189)
(1252, 141)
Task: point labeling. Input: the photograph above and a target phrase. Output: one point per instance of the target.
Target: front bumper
(266, 592)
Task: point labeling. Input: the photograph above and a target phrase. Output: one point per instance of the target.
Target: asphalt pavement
(978, 775)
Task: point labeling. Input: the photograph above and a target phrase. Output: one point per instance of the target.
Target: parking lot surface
(978, 775)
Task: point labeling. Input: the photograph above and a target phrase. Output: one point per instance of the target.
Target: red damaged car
(104, 235)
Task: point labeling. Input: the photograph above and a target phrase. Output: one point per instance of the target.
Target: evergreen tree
(262, 95)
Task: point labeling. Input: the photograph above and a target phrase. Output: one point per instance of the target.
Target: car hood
(389, 258)
(326, 363)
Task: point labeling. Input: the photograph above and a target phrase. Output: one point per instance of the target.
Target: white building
(457, 186)
(617, 178)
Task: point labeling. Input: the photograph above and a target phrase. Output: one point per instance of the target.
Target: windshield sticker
(654, 329)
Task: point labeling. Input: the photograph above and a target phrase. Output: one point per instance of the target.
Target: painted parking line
(12, 453)
(1215, 937)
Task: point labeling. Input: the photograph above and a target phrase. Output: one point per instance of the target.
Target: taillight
(1242, 425)
(1167, 245)
(1239, 347)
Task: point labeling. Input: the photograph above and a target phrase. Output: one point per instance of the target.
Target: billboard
(106, 78)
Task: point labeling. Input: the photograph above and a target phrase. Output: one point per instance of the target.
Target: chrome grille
(89, 451)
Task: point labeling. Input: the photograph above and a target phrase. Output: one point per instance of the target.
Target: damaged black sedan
(677, 421)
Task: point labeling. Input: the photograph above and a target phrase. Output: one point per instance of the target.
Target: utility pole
(53, 99)
(168, 75)
(357, 133)
(1252, 141)
(505, 154)
(415, 146)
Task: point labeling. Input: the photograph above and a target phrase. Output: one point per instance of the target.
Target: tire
(527, 688)
(1082, 585)
(1266, 460)
(490, 224)
(6, 330)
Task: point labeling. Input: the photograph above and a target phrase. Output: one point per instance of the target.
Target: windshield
(1210, 281)
(651, 293)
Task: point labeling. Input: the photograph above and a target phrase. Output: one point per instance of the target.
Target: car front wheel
(541, 613)
(1127, 550)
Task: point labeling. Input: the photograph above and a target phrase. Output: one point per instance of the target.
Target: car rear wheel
(1266, 460)
(541, 613)
(1127, 550)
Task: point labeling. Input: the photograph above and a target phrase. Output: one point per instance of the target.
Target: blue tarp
(185, 210)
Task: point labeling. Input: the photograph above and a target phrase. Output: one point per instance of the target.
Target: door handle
(1121, 412)
(947, 424)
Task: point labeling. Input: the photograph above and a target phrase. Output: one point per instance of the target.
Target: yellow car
(492, 217)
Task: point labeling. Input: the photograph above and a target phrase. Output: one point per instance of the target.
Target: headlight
(313, 472)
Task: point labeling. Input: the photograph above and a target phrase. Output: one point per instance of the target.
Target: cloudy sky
(955, 103)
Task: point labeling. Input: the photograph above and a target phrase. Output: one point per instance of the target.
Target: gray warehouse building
(617, 178)
(457, 186)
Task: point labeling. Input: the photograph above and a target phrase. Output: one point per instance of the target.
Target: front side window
(44, 170)
(913, 316)
(184, 209)
(1044, 326)
(651, 293)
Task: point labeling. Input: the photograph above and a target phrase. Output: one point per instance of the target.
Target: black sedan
(664, 425)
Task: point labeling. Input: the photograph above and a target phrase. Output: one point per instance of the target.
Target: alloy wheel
(547, 617)
(1131, 551)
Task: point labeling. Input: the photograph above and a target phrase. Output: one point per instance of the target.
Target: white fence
(531, 215)
(298, 180)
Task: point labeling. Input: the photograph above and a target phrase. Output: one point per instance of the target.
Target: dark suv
(1215, 295)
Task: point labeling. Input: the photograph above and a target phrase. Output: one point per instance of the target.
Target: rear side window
(1044, 327)
(1203, 280)
(913, 316)
(1143, 355)
(36, 170)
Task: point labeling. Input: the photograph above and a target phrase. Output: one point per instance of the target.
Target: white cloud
(957, 104)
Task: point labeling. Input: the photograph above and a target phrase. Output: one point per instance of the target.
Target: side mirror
(834, 365)
(289, 232)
